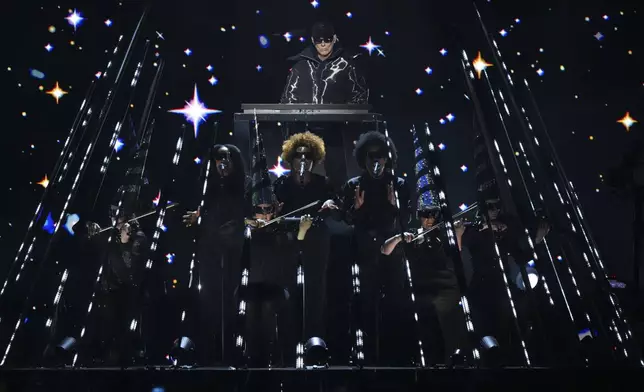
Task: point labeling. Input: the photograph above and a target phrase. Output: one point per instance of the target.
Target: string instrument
(463, 222)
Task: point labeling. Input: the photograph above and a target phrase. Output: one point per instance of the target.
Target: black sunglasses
(265, 210)
(428, 214)
(492, 206)
(306, 155)
(375, 155)
(327, 40)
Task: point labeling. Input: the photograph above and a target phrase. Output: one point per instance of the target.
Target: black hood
(309, 53)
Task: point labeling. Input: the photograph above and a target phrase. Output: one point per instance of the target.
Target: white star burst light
(278, 170)
(370, 46)
(195, 111)
(75, 19)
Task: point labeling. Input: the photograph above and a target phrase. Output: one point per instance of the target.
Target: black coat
(333, 81)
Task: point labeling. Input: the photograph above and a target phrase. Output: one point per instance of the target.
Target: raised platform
(332, 379)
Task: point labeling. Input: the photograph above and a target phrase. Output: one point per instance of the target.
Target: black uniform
(220, 248)
(334, 80)
(437, 296)
(487, 296)
(380, 276)
(121, 296)
(314, 248)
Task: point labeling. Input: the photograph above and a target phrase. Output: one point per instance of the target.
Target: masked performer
(487, 295)
(297, 189)
(435, 285)
(370, 205)
(219, 253)
(120, 295)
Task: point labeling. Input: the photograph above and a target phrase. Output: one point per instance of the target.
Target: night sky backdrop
(583, 61)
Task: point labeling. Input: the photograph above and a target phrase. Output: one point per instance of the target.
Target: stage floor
(337, 379)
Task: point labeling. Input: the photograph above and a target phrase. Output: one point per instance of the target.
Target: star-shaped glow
(75, 19)
(160, 35)
(464, 168)
(49, 47)
(197, 160)
(627, 121)
(57, 92)
(155, 201)
(503, 33)
(44, 182)
(314, 3)
(50, 225)
(195, 111)
(429, 71)
(259, 68)
(118, 146)
(209, 67)
(213, 80)
(540, 72)
(287, 36)
(450, 117)
(188, 52)
(480, 65)
(370, 46)
(443, 52)
(419, 91)
(599, 36)
(108, 23)
(278, 170)
(463, 207)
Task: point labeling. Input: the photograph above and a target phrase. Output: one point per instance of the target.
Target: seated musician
(302, 187)
(324, 73)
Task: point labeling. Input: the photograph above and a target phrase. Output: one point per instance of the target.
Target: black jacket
(377, 214)
(125, 262)
(334, 80)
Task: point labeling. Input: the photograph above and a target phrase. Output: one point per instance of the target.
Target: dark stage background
(587, 85)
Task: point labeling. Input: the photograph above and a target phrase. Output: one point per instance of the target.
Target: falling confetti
(71, 221)
(49, 225)
(480, 65)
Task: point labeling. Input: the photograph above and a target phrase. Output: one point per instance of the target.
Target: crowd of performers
(238, 231)
(280, 236)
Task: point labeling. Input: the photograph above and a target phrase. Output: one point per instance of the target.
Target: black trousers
(219, 276)
(118, 308)
(441, 322)
(383, 305)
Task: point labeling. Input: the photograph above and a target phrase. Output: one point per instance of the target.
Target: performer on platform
(370, 205)
(121, 292)
(324, 73)
(220, 246)
(297, 189)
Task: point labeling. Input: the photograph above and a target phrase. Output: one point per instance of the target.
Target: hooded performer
(371, 206)
(434, 279)
(324, 73)
(221, 240)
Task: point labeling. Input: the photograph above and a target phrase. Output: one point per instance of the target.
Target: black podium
(276, 122)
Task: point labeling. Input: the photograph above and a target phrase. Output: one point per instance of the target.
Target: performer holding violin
(302, 187)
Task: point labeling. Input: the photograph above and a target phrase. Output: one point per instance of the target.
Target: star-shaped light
(195, 111)
(50, 225)
(464, 168)
(429, 71)
(450, 117)
(49, 47)
(442, 147)
(463, 207)
(197, 160)
(209, 67)
(419, 91)
(259, 68)
(349, 15)
(627, 121)
(480, 65)
(370, 46)
(287, 36)
(314, 3)
(160, 35)
(108, 22)
(57, 92)
(540, 72)
(118, 146)
(381, 52)
(599, 36)
(44, 182)
(443, 52)
(155, 201)
(213, 80)
(503, 33)
(278, 170)
(170, 258)
(75, 19)
(98, 75)
(188, 52)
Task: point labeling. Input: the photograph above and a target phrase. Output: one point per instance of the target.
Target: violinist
(301, 187)
(434, 284)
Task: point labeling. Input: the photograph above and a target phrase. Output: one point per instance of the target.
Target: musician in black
(120, 292)
(435, 285)
(370, 204)
(300, 188)
(324, 73)
(220, 246)
(271, 332)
